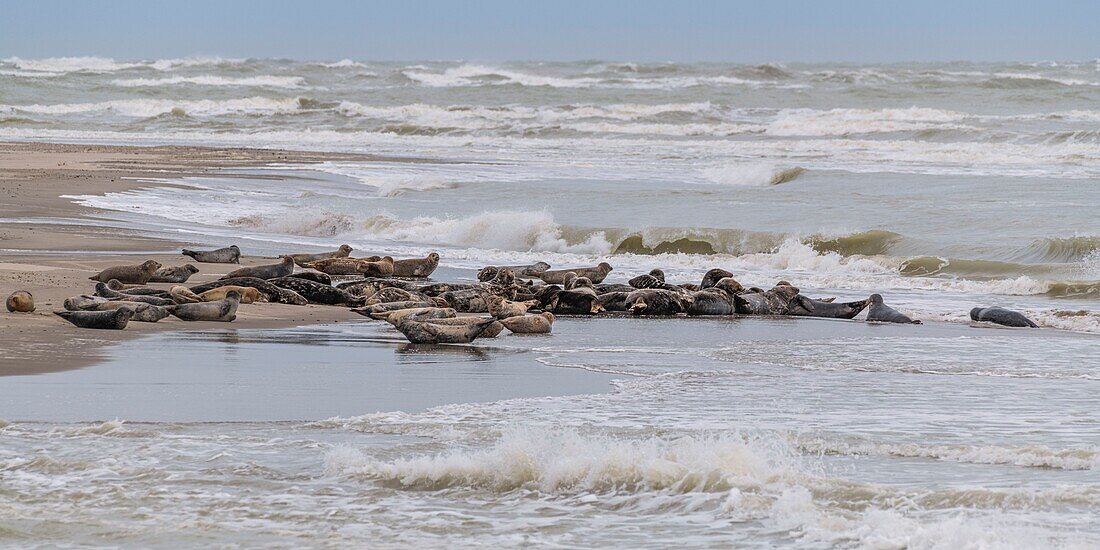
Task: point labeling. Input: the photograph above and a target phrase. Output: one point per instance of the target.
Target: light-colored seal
(502, 309)
(20, 301)
(248, 294)
(136, 290)
(271, 292)
(129, 274)
(419, 314)
(367, 267)
(220, 310)
(416, 267)
(174, 274)
(595, 274)
(269, 271)
(530, 324)
(492, 331)
(111, 320)
(1001, 316)
(303, 259)
(428, 332)
(183, 295)
(369, 311)
(227, 255)
(882, 313)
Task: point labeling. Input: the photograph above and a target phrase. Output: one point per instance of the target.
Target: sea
(941, 186)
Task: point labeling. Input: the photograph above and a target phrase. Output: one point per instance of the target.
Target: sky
(757, 31)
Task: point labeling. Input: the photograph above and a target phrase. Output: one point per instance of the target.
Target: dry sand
(54, 261)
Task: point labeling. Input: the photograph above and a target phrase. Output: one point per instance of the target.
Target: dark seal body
(595, 274)
(270, 271)
(129, 274)
(318, 293)
(111, 320)
(834, 310)
(220, 310)
(174, 274)
(273, 293)
(227, 255)
(303, 259)
(882, 313)
(1002, 316)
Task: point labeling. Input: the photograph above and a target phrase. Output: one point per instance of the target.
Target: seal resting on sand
(227, 255)
(248, 294)
(1001, 316)
(882, 313)
(530, 324)
(20, 301)
(112, 320)
(130, 274)
(719, 299)
(183, 295)
(174, 274)
(143, 312)
(382, 267)
(595, 274)
(102, 290)
(427, 332)
(270, 291)
(416, 267)
(269, 271)
(502, 309)
(303, 259)
(318, 293)
(531, 271)
(220, 310)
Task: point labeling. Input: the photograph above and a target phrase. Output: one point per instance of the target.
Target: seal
(595, 274)
(530, 324)
(143, 312)
(220, 310)
(270, 291)
(783, 299)
(303, 259)
(657, 301)
(579, 299)
(531, 271)
(227, 255)
(416, 267)
(833, 310)
(420, 314)
(175, 274)
(492, 331)
(102, 291)
(711, 277)
(655, 276)
(369, 311)
(183, 295)
(474, 300)
(136, 290)
(434, 332)
(719, 299)
(111, 320)
(882, 313)
(382, 267)
(82, 302)
(248, 294)
(502, 309)
(269, 271)
(20, 301)
(1001, 316)
(130, 274)
(394, 294)
(318, 293)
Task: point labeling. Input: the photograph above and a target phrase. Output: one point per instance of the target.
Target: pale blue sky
(641, 30)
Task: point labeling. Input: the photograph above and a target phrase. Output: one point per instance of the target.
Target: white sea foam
(1037, 456)
(505, 230)
(144, 108)
(749, 174)
(289, 82)
(839, 122)
(343, 64)
(71, 64)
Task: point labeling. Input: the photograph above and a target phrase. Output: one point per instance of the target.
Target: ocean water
(941, 186)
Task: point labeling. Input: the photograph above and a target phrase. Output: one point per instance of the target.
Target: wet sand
(50, 246)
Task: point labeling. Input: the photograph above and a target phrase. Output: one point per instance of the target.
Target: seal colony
(524, 299)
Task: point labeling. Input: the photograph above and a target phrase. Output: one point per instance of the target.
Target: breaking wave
(752, 174)
(288, 82)
(146, 108)
(1087, 458)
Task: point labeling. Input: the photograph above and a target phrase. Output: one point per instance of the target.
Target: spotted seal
(833, 310)
(269, 271)
(112, 320)
(719, 299)
(420, 313)
(711, 277)
(530, 324)
(1001, 316)
(131, 274)
(143, 312)
(174, 274)
(228, 255)
(318, 293)
(369, 311)
(530, 271)
(249, 295)
(882, 313)
(102, 291)
(595, 274)
(136, 290)
(783, 299)
(429, 332)
(579, 299)
(315, 276)
(416, 267)
(382, 267)
(657, 301)
(502, 309)
(220, 310)
(270, 291)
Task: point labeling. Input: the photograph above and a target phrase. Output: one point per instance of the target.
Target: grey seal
(136, 290)
(530, 324)
(174, 274)
(183, 295)
(111, 320)
(416, 267)
(369, 311)
(1001, 316)
(318, 293)
(500, 308)
(227, 255)
(427, 332)
(657, 301)
(711, 277)
(20, 301)
(531, 271)
(367, 267)
(220, 310)
(834, 310)
(595, 274)
(579, 299)
(420, 314)
(883, 313)
(719, 299)
(249, 295)
(315, 276)
(303, 259)
(270, 271)
(272, 292)
(783, 299)
(143, 312)
(492, 331)
(130, 274)
(102, 290)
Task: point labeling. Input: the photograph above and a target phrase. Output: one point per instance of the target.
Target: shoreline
(54, 260)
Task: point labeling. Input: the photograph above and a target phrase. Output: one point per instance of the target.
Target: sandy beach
(49, 246)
